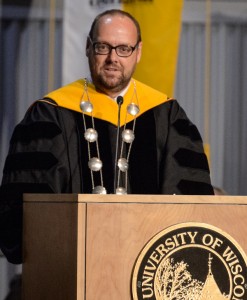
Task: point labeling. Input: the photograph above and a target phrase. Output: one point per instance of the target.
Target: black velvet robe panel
(48, 154)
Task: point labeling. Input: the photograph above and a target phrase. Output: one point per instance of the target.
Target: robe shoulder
(71, 96)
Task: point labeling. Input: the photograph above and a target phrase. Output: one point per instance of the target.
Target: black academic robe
(48, 154)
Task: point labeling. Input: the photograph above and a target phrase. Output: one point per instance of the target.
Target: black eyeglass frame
(110, 48)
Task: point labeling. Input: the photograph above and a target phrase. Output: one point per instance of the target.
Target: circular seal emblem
(190, 261)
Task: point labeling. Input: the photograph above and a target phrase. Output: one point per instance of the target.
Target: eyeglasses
(121, 50)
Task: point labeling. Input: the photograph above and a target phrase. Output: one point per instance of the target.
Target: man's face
(110, 72)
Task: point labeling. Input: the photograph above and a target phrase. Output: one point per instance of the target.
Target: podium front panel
(85, 248)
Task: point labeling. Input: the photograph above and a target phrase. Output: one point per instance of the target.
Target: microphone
(120, 100)
(119, 103)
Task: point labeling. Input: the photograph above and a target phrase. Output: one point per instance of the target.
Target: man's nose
(112, 55)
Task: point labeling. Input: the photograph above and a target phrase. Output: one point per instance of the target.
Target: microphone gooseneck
(119, 103)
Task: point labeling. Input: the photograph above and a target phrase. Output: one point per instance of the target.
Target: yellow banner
(160, 22)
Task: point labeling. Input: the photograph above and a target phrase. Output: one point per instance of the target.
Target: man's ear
(139, 52)
(87, 47)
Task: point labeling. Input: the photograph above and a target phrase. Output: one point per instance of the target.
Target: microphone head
(120, 100)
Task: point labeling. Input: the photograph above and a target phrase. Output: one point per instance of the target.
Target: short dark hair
(114, 12)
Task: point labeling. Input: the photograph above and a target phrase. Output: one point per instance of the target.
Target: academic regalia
(49, 154)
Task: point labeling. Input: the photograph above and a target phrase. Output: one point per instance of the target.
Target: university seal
(190, 261)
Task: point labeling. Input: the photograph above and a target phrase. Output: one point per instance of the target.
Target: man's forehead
(108, 20)
(115, 23)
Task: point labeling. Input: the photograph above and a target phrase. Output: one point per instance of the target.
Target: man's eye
(102, 47)
(124, 48)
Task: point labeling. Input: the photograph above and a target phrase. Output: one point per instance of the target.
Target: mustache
(112, 65)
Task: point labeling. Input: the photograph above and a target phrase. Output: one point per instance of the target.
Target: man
(104, 134)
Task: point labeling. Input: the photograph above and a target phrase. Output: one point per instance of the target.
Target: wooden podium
(85, 246)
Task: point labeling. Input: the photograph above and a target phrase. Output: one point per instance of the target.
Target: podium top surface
(179, 199)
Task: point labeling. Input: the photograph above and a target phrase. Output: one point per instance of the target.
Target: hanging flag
(160, 22)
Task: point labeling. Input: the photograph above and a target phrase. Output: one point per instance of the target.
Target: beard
(110, 82)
